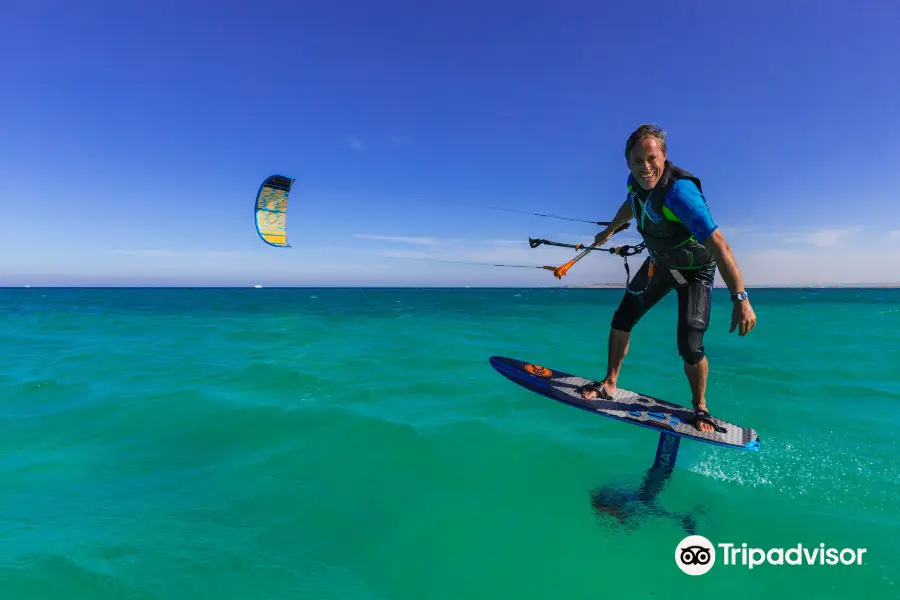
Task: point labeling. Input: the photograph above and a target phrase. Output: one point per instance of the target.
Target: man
(685, 246)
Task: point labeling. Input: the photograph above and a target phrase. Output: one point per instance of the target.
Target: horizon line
(600, 286)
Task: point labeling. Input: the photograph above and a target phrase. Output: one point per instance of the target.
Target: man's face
(647, 162)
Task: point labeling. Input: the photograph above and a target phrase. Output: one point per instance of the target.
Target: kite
(271, 210)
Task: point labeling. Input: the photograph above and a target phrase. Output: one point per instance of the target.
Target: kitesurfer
(685, 246)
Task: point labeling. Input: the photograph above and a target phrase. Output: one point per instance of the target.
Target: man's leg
(694, 303)
(616, 351)
(617, 348)
(634, 305)
(697, 375)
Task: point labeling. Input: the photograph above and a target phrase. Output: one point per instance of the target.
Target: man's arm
(742, 315)
(623, 216)
(720, 249)
(689, 206)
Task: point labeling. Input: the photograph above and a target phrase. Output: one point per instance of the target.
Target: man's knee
(693, 356)
(693, 322)
(690, 346)
(624, 320)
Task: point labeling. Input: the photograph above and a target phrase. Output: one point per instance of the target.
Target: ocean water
(355, 444)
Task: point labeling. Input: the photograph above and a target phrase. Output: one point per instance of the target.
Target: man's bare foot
(607, 390)
(700, 422)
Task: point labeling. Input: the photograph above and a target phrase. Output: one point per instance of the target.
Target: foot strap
(595, 387)
(702, 415)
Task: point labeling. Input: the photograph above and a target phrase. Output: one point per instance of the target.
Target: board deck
(628, 406)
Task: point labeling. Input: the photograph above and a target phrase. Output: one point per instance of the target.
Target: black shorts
(694, 303)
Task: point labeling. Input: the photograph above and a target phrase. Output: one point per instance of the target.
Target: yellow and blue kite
(271, 210)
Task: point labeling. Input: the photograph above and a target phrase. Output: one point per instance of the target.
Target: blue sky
(135, 136)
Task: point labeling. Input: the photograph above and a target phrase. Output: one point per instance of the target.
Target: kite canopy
(271, 210)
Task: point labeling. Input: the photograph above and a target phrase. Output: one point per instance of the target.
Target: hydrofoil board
(628, 406)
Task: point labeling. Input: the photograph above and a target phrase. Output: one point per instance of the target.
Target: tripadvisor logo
(696, 555)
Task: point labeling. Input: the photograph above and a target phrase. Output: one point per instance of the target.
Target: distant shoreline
(595, 286)
(770, 286)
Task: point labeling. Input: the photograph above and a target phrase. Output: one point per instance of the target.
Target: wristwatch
(739, 297)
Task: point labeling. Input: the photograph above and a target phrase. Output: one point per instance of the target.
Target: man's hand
(742, 314)
(602, 237)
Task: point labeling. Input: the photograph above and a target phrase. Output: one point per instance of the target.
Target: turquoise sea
(355, 444)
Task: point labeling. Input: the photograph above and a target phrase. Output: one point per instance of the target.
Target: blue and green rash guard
(674, 219)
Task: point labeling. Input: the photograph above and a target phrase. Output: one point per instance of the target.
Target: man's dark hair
(645, 131)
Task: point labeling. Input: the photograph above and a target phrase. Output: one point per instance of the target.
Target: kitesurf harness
(669, 243)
